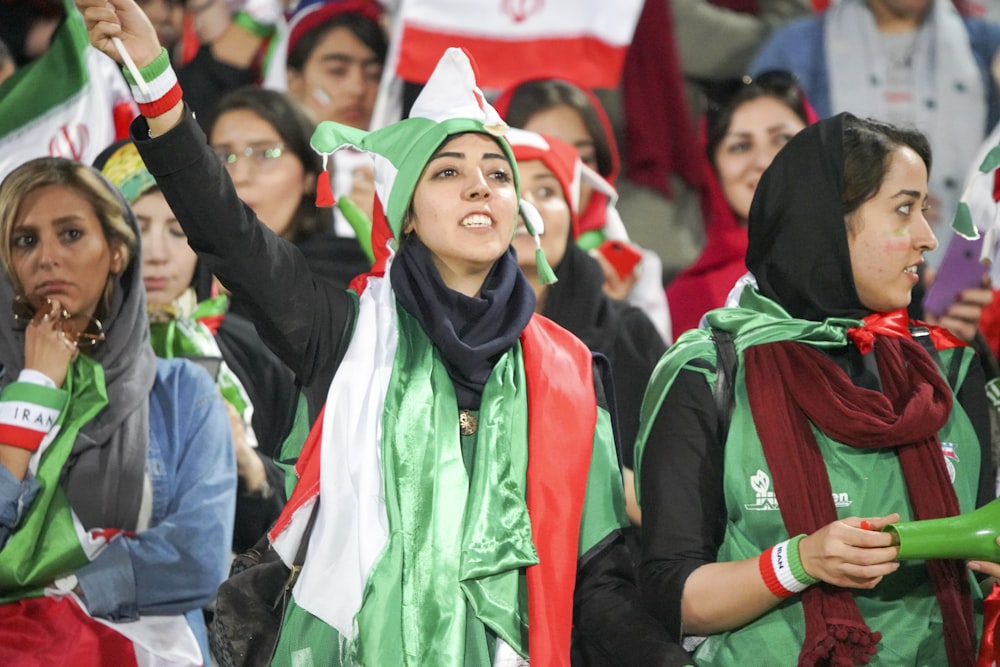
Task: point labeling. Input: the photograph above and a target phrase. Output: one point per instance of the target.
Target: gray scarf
(949, 94)
(105, 473)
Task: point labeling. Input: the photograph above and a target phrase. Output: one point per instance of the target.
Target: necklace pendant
(467, 422)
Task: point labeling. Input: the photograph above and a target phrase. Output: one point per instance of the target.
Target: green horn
(971, 536)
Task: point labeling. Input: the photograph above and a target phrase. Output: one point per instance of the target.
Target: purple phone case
(960, 270)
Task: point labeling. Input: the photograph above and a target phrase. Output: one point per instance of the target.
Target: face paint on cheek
(897, 243)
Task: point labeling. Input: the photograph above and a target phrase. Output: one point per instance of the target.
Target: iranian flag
(71, 102)
(517, 40)
(41, 621)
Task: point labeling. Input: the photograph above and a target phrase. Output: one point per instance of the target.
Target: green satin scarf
(186, 336)
(455, 540)
(46, 546)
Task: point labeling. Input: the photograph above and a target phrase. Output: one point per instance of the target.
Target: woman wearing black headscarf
(765, 539)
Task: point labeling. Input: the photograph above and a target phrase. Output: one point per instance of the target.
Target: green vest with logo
(864, 482)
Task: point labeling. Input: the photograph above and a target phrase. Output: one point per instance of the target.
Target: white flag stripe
(613, 22)
(31, 416)
(158, 87)
(36, 458)
(352, 526)
(782, 569)
(78, 129)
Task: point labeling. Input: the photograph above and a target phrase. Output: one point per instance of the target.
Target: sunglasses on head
(777, 82)
(85, 332)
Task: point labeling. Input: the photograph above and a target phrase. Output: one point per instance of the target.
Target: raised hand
(122, 19)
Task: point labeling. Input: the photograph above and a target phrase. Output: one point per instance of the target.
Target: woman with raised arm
(470, 502)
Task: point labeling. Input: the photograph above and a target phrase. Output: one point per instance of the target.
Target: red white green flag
(40, 624)
(71, 102)
(516, 40)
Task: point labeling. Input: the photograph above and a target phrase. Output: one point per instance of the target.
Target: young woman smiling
(743, 133)
(766, 540)
(459, 526)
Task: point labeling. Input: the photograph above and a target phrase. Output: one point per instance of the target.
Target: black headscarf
(798, 247)
(471, 333)
(575, 302)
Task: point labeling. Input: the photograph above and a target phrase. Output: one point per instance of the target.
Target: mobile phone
(960, 270)
(623, 256)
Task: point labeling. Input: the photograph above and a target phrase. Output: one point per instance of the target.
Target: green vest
(864, 483)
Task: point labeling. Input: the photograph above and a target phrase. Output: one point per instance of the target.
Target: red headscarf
(705, 284)
(594, 215)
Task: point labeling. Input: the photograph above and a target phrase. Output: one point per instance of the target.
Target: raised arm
(124, 21)
(300, 317)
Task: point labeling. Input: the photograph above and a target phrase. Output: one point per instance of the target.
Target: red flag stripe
(587, 61)
(55, 631)
(23, 438)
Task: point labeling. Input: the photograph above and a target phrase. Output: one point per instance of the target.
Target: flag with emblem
(71, 102)
(516, 40)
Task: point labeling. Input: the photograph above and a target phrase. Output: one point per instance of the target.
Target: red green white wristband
(782, 571)
(28, 411)
(161, 92)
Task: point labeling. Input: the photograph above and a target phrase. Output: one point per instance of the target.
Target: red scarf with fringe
(790, 385)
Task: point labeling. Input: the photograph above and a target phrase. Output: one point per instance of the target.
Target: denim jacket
(177, 563)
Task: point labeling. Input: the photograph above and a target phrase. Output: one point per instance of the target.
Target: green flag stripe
(49, 82)
(46, 397)
(45, 544)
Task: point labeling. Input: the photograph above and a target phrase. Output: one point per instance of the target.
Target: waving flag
(71, 102)
(516, 40)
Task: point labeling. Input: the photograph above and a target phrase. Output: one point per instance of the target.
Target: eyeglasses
(85, 332)
(260, 154)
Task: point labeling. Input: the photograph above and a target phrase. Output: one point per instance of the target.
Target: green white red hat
(450, 103)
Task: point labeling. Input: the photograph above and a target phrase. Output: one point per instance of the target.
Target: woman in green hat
(470, 499)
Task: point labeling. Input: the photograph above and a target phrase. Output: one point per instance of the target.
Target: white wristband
(36, 377)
